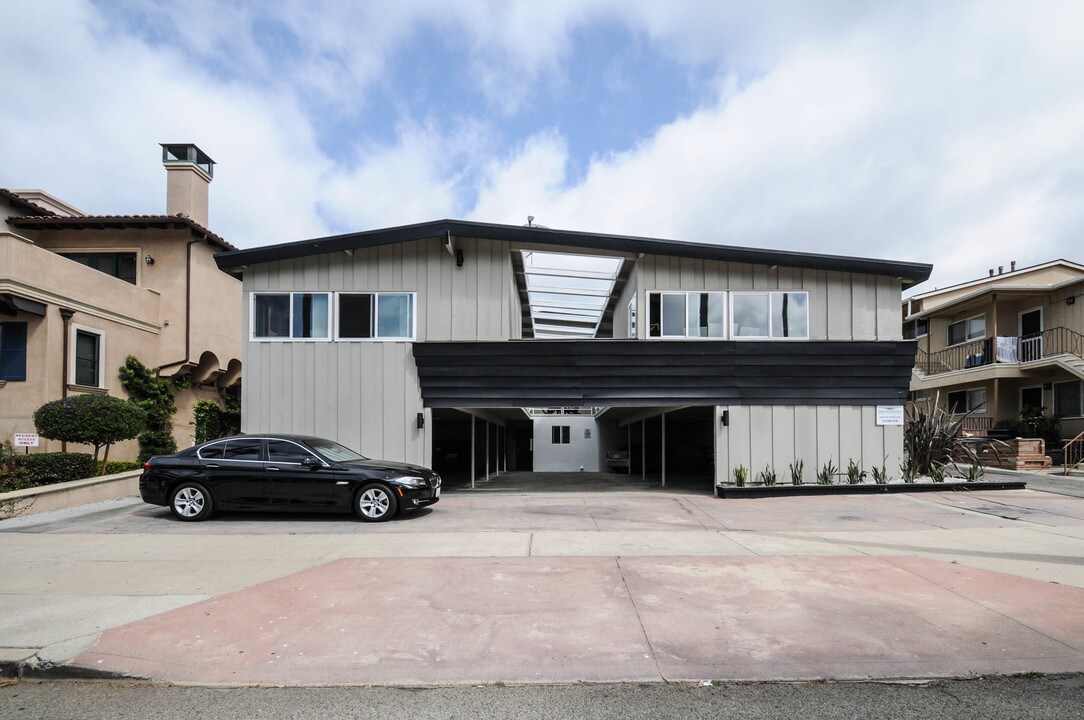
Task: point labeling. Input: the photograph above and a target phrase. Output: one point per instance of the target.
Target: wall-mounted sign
(890, 414)
(26, 439)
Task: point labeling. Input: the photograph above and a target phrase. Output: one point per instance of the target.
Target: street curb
(761, 491)
(31, 668)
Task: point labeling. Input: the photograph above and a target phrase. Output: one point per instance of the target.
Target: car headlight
(413, 482)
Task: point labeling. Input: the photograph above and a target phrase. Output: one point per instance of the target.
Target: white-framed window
(87, 354)
(375, 316)
(560, 434)
(1068, 400)
(966, 330)
(769, 315)
(632, 317)
(697, 314)
(965, 401)
(290, 316)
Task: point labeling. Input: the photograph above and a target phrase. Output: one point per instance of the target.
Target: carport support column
(643, 449)
(487, 451)
(662, 460)
(473, 444)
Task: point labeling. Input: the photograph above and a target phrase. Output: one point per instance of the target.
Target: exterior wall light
(459, 257)
(148, 259)
(421, 420)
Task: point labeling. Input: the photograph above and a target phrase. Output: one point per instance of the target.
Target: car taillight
(146, 466)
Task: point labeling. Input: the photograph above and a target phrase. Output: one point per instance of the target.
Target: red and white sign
(26, 439)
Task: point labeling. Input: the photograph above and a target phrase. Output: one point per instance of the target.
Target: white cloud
(950, 133)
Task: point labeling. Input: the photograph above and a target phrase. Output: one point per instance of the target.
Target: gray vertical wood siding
(366, 394)
(779, 434)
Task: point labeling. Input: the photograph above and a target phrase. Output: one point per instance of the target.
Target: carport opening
(575, 448)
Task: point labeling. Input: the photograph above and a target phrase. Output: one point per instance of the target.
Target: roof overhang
(908, 273)
(122, 222)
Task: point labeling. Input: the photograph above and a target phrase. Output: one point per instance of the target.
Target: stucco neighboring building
(79, 293)
(1002, 343)
(439, 343)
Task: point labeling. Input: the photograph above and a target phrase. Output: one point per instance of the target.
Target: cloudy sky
(942, 132)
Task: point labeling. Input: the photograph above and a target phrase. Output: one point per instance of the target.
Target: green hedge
(118, 466)
(26, 471)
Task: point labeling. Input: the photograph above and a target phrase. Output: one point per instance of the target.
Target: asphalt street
(1019, 698)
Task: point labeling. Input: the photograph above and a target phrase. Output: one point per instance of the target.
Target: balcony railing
(1002, 350)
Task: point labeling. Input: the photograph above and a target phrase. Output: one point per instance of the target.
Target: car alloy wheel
(191, 501)
(376, 503)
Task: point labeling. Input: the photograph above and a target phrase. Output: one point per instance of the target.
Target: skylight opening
(568, 294)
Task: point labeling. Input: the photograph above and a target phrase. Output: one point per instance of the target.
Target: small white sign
(26, 439)
(890, 414)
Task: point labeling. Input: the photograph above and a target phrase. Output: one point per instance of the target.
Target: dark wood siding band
(639, 373)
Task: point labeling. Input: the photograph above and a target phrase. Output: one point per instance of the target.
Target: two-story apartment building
(79, 293)
(447, 343)
(1003, 343)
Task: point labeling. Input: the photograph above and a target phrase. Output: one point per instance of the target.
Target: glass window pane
(394, 315)
(271, 316)
(673, 316)
(790, 315)
(921, 327)
(976, 400)
(86, 359)
(13, 351)
(356, 316)
(310, 315)
(126, 267)
(284, 451)
(242, 450)
(212, 452)
(957, 402)
(716, 315)
(750, 315)
(956, 333)
(976, 328)
(653, 312)
(1067, 399)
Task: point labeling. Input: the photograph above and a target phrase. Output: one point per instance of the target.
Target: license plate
(436, 492)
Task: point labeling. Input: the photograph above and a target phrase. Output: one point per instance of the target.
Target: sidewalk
(537, 587)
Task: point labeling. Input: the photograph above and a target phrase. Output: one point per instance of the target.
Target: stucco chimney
(189, 172)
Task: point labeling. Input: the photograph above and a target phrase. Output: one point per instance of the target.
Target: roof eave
(909, 273)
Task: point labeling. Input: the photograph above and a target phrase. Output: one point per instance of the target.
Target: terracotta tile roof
(23, 204)
(105, 222)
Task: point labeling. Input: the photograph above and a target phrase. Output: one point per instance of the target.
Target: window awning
(10, 304)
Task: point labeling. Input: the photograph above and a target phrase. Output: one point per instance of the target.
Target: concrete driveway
(631, 584)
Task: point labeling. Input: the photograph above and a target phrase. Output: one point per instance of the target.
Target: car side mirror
(311, 462)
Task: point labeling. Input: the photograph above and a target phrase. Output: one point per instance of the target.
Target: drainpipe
(67, 314)
(187, 309)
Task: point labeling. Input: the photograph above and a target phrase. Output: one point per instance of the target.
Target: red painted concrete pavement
(418, 621)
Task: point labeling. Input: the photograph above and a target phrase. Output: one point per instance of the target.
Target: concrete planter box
(761, 491)
(69, 494)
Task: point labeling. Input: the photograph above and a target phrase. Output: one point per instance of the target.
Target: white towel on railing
(1008, 350)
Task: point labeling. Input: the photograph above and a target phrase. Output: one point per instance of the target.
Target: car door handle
(343, 482)
(272, 468)
(211, 467)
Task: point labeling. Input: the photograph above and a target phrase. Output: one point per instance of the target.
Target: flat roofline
(909, 273)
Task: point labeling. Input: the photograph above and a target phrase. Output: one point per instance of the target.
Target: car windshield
(335, 452)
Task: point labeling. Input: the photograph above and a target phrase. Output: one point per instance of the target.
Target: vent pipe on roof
(991, 272)
(1000, 269)
(1012, 266)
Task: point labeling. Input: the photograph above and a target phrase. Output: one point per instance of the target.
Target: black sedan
(284, 472)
